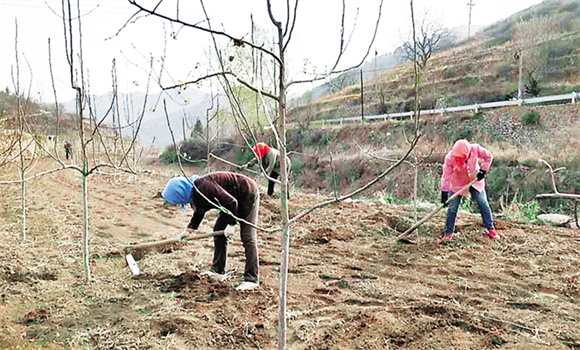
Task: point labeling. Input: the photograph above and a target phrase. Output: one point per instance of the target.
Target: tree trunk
(415, 189)
(23, 199)
(283, 196)
(520, 76)
(86, 260)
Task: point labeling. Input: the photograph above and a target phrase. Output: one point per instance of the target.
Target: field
(352, 285)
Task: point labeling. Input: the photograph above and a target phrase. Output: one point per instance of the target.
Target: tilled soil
(351, 285)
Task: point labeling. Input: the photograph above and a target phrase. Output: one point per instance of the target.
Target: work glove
(444, 197)
(481, 174)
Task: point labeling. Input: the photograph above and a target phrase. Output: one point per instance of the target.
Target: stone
(555, 219)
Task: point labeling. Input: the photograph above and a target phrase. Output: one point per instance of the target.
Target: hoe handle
(173, 240)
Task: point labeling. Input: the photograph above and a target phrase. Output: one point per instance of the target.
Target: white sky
(315, 37)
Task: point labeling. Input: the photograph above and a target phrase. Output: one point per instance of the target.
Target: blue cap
(178, 190)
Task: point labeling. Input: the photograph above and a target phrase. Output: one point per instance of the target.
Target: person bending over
(270, 160)
(240, 196)
(463, 164)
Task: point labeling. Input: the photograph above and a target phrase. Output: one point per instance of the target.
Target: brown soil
(352, 285)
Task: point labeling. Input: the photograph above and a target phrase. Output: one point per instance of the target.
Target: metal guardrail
(573, 96)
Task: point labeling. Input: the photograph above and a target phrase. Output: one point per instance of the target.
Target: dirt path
(351, 285)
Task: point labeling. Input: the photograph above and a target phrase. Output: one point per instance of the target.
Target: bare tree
(430, 37)
(20, 147)
(27, 157)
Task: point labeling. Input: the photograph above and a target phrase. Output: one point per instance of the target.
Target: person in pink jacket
(465, 163)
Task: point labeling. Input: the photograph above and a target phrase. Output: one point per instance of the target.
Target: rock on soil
(555, 219)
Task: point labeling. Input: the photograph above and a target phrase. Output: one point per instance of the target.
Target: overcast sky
(316, 36)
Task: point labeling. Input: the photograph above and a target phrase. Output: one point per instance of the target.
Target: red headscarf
(460, 151)
(261, 149)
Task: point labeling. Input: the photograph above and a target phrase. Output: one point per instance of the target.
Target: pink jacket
(455, 176)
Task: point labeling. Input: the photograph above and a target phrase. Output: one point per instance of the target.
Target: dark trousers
(248, 236)
(275, 175)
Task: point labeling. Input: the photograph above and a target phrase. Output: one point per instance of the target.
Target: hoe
(140, 249)
(405, 234)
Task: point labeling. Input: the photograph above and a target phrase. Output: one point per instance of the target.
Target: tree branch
(325, 75)
(224, 74)
(380, 158)
(42, 174)
(207, 30)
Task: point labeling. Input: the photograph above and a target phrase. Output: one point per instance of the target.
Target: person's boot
(245, 285)
(492, 234)
(212, 274)
(449, 237)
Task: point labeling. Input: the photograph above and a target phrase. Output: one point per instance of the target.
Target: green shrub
(192, 151)
(168, 157)
(449, 72)
(478, 117)
(531, 117)
(472, 80)
(386, 197)
(493, 42)
(529, 210)
(325, 139)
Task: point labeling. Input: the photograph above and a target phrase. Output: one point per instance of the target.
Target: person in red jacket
(465, 163)
(270, 160)
(222, 190)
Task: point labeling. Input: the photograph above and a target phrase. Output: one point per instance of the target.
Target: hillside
(568, 10)
(183, 109)
(341, 158)
(478, 70)
(351, 284)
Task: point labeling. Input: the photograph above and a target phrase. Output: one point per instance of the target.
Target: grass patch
(496, 341)
(530, 117)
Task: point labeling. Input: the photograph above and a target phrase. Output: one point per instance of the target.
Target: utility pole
(362, 105)
(518, 56)
(470, 4)
(183, 127)
(376, 73)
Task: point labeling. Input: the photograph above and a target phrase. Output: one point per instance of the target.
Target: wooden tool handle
(173, 240)
(406, 233)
